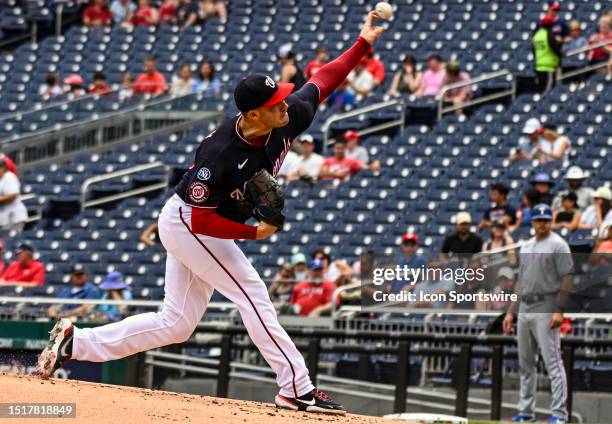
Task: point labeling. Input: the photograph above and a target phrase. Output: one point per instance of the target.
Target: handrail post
(313, 359)
(496, 381)
(568, 363)
(402, 377)
(462, 379)
(224, 366)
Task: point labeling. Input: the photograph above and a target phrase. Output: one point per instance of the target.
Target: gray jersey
(543, 264)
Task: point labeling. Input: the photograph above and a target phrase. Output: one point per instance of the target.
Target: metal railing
(476, 101)
(560, 75)
(133, 192)
(396, 103)
(39, 207)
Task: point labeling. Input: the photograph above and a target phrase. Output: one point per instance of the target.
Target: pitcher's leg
(185, 300)
(223, 265)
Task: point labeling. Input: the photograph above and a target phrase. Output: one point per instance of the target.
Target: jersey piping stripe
(244, 139)
(245, 294)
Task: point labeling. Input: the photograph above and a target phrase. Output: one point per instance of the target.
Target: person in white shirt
(13, 213)
(361, 81)
(543, 144)
(309, 163)
(182, 84)
(600, 212)
(353, 149)
(290, 165)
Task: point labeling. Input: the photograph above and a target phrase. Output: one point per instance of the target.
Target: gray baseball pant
(534, 332)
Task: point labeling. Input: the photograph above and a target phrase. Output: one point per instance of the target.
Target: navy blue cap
(542, 177)
(315, 264)
(541, 211)
(259, 90)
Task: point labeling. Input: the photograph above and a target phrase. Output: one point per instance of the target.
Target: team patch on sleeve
(203, 174)
(198, 192)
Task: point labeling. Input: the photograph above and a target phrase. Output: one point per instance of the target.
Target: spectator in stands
(314, 296)
(603, 248)
(300, 266)
(433, 78)
(167, 11)
(600, 212)
(290, 165)
(569, 216)
(97, 14)
(463, 241)
(341, 97)
(500, 238)
(51, 87)
(182, 84)
(544, 184)
(602, 54)
(122, 11)
(407, 80)
(501, 211)
(282, 285)
(10, 165)
(433, 285)
(207, 82)
(309, 162)
(531, 197)
(290, 69)
(453, 75)
(150, 235)
(25, 271)
(504, 282)
(321, 57)
(13, 213)
(409, 258)
(360, 80)
(114, 288)
(74, 85)
(212, 8)
(127, 87)
(375, 67)
(330, 269)
(546, 53)
(145, 14)
(339, 166)
(544, 143)
(99, 85)
(80, 288)
(576, 39)
(353, 149)
(151, 81)
(559, 27)
(187, 13)
(575, 178)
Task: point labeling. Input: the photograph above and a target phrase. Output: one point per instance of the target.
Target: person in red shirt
(340, 167)
(99, 85)
(375, 67)
(151, 81)
(319, 60)
(167, 11)
(97, 14)
(25, 271)
(145, 14)
(314, 296)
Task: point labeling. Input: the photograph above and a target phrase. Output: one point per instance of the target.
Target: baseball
(384, 10)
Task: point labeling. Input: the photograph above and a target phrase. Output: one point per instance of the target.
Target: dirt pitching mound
(98, 403)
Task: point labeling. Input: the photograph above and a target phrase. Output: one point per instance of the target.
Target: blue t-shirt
(415, 261)
(87, 291)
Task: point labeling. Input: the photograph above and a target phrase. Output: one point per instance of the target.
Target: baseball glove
(264, 199)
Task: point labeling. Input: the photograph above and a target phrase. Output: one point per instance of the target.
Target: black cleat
(315, 401)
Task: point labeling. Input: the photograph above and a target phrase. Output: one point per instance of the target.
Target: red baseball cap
(351, 135)
(554, 6)
(410, 237)
(547, 20)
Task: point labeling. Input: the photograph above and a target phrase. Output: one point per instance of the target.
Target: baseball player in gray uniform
(545, 280)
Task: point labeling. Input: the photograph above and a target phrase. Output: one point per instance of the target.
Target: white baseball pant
(197, 265)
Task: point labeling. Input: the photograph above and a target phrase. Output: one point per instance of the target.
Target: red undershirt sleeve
(331, 75)
(209, 223)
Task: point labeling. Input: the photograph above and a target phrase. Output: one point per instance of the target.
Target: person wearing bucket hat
(575, 178)
(599, 212)
(198, 227)
(80, 288)
(114, 287)
(544, 284)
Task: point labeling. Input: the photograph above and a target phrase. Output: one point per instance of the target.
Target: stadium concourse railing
(396, 104)
(102, 131)
(477, 100)
(154, 186)
(562, 75)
